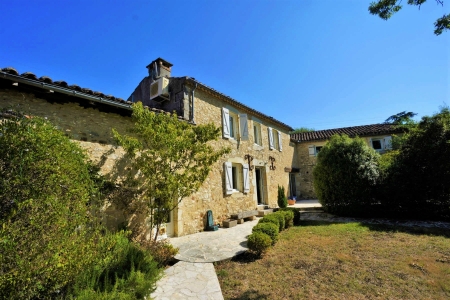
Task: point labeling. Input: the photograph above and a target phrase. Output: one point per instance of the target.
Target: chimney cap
(159, 60)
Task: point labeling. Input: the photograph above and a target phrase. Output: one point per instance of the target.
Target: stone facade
(190, 216)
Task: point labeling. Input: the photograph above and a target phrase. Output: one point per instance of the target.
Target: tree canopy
(171, 158)
(386, 8)
(402, 118)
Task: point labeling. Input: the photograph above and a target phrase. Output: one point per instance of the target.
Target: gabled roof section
(45, 83)
(364, 130)
(236, 103)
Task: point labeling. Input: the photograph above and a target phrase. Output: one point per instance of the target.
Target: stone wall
(86, 125)
(190, 217)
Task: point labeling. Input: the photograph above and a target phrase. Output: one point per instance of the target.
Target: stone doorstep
(229, 223)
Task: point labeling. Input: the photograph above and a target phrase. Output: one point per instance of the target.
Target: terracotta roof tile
(364, 130)
(29, 75)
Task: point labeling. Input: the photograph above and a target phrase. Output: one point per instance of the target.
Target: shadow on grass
(416, 230)
(251, 295)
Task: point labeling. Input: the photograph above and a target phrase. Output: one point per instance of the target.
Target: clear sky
(309, 63)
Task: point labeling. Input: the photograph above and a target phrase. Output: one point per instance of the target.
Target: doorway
(292, 188)
(259, 173)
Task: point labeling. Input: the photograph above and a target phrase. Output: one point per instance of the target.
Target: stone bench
(248, 215)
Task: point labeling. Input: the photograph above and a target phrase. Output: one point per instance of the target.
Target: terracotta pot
(291, 202)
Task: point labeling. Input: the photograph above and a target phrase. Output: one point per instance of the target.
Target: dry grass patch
(344, 261)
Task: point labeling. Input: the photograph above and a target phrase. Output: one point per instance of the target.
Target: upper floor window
(314, 150)
(381, 144)
(234, 125)
(275, 140)
(257, 133)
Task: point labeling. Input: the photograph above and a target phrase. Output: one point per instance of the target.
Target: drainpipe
(193, 93)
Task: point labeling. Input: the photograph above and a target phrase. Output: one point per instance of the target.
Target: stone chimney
(159, 68)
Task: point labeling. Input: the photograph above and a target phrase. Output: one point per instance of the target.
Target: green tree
(345, 175)
(47, 229)
(419, 175)
(402, 118)
(386, 8)
(301, 130)
(172, 159)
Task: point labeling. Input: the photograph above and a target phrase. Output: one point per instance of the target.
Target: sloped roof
(62, 87)
(364, 130)
(237, 104)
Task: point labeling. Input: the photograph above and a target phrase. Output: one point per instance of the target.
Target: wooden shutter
(228, 171)
(225, 123)
(312, 150)
(280, 142)
(243, 122)
(245, 172)
(388, 143)
(269, 130)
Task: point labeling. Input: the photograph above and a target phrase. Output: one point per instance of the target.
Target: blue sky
(320, 64)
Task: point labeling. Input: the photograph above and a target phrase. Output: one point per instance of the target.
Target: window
(236, 178)
(275, 141)
(257, 133)
(234, 124)
(381, 144)
(314, 150)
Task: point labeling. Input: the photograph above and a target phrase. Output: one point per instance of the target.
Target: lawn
(344, 261)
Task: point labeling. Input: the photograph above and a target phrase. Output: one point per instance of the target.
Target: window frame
(257, 136)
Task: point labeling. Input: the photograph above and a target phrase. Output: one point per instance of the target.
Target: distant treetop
(386, 8)
(302, 129)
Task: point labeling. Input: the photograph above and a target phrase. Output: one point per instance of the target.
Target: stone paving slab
(186, 280)
(211, 246)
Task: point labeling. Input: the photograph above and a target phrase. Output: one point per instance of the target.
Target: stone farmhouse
(263, 153)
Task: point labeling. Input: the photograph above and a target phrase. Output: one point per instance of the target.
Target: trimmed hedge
(268, 228)
(271, 219)
(259, 242)
(296, 213)
(288, 217)
(281, 219)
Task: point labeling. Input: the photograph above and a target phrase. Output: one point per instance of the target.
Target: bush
(259, 242)
(126, 272)
(282, 200)
(281, 220)
(47, 230)
(295, 212)
(418, 178)
(346, 175)
(288, 217)
(268, 228)
(163, 252)
(271, 219)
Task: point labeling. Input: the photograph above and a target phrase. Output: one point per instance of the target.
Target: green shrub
(270, 219)
(288, 217)
(127, 271)
(258, 242)
(296, 213)
(345, 176)
(282, 200)
(281, 220)
(161, 251)
(418, 177)
(47, 230)
(268, 228)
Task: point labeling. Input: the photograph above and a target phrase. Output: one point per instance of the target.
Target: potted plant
(292, 200)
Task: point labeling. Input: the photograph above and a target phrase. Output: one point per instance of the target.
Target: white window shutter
(227, 167)
(226, 123)
(269, 130)
(388, 143)
(243, 120)
(280, 141)
(312, 150)
(245, 172)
